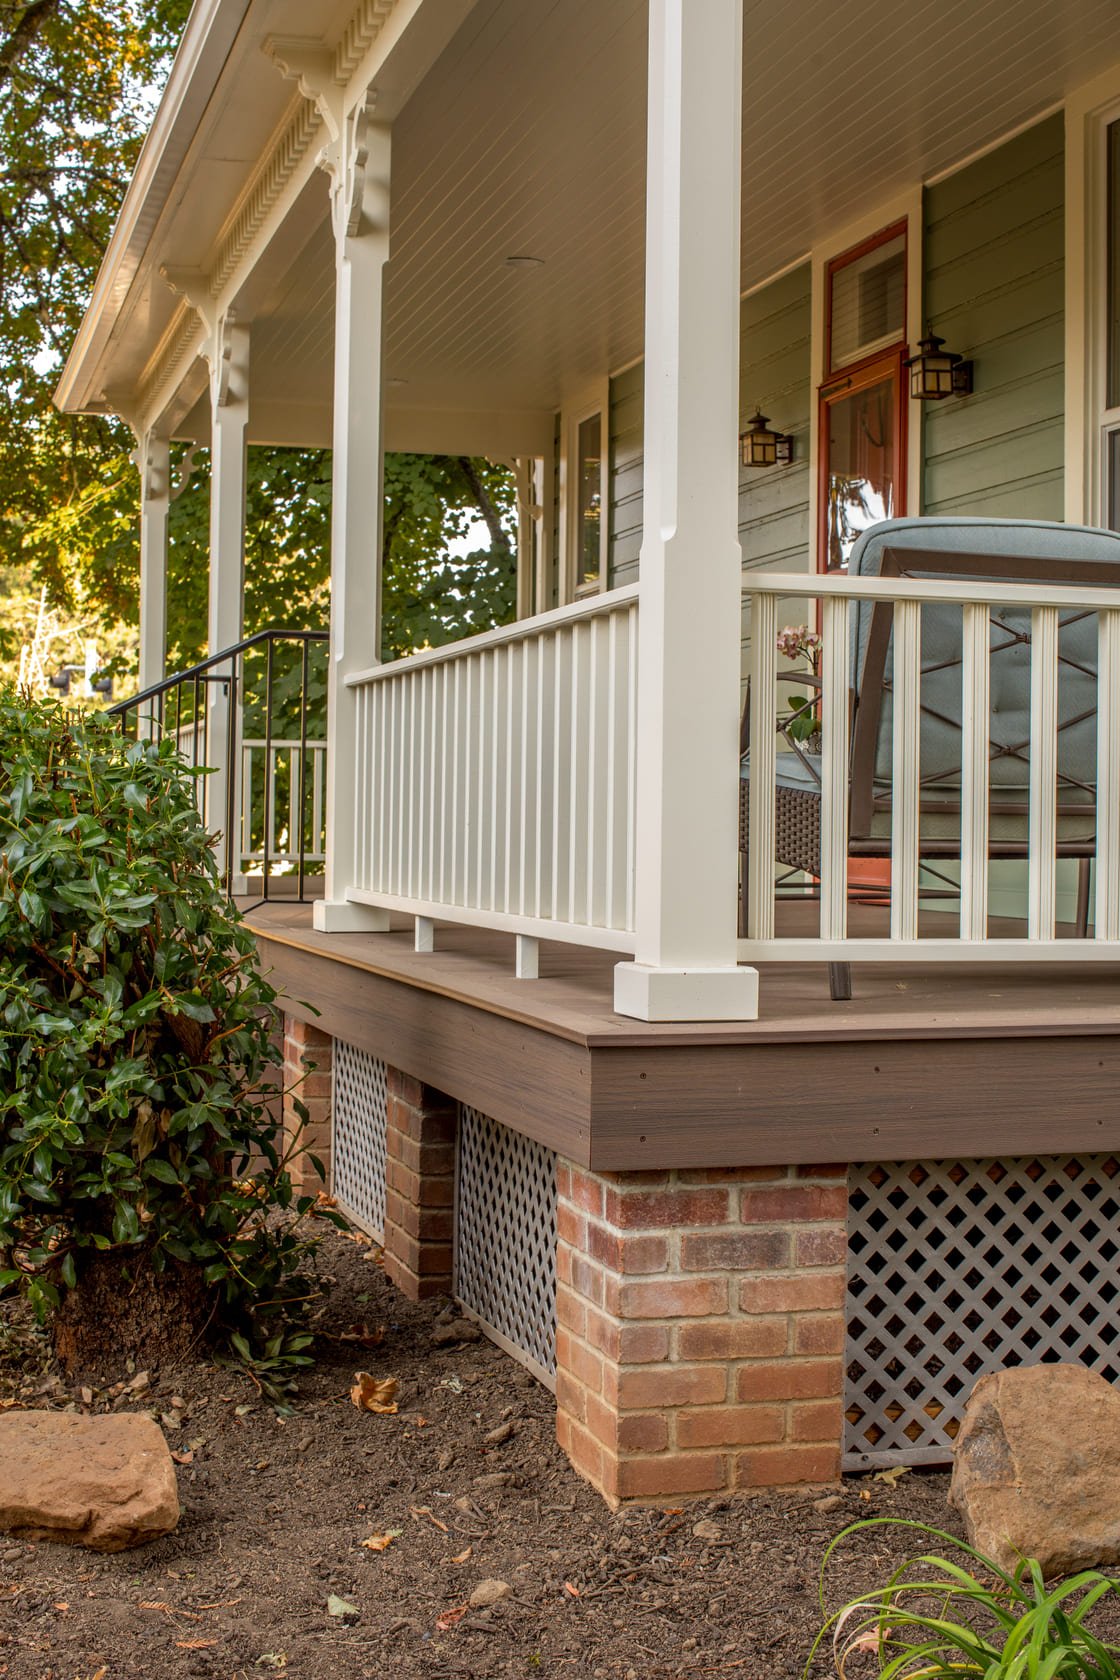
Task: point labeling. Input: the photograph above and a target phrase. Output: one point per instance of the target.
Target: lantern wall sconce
(761, 447)
(936, 373)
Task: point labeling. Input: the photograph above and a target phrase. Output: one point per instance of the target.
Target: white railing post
(906, 780)
(975, 761)
(835, 688)
(359, 160)
(691, 564)
(1106, 922)
(1042, 867)
(759, 885)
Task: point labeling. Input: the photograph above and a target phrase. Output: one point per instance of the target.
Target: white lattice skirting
(505, 1237)
(359, 1113)
(961, 1267)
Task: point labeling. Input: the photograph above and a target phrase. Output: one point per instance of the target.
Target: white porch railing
(976, 600)
(495, 777)
(272, 796)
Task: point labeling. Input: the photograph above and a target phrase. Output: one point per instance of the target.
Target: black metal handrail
(189, 690)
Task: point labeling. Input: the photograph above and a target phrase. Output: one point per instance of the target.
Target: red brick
(738, 1251)
(670, 1474)
(734, 1338)
(403, 1088)
(730, 1175)
(834, 1169)
(730, 1426)
(571, 1225)
(571, 1310)
(667, 1297)
(791, 1379)
(819, 1420)
(789, 1204)
(643, 1344)
(803, 1292)
(642, 1432)
(823, 1333)
(827, 1246)
(585, 1452)
(628, 1254)
(659, 1209)
(636, 1180)
(587, 1279)
(678, 1385)
(782, 1466)
(571, 1396)
(313, 1085)
(585, 1191)
(582, 1362)
(565, 1256)
(605, 1334)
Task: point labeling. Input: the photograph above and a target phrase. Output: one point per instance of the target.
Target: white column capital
(152, 460)
(357, 161)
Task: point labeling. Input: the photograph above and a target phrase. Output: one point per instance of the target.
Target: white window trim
(594, 400)
(1089, 111)
(906, 206)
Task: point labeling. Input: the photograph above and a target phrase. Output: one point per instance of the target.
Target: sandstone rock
(1036, 1468)
(106, 1482)
(489, 1592)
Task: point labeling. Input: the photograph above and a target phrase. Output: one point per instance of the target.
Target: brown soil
(275, 1510)
(156, 1315)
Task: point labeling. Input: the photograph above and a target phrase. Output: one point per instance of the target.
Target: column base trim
(646, 993)
(340, 916)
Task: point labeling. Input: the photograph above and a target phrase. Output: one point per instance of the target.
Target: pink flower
(797, 641)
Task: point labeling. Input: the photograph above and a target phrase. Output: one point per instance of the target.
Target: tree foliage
(135, 1029)
(76, 90)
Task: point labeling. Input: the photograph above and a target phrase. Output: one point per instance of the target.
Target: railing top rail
(595, 606)
(962, 591)
(206, 666)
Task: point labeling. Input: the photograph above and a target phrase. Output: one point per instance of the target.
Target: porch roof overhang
(519, 130)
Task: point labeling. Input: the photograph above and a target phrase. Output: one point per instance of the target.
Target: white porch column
(228, 356)
(691, 578)
(153, 460)
(359, 162)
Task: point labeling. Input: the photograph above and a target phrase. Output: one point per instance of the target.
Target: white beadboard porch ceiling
(527, 138)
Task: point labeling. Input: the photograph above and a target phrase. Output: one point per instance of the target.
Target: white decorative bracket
(359, 189)
(226, 347)
(151, 465)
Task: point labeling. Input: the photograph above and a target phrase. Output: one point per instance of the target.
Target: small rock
(494, 1479)
(1036, 1466)
(495, 1437)
(489, 1592)
(105, 1482)
(455, 1330)
(446, 1460)
(12, 1554)
(832, 1502)
(707, 1530)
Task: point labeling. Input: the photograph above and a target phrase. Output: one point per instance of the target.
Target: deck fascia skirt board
(924, 1063)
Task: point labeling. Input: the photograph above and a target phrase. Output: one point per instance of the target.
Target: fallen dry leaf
(892, 1475)
(371, 1394)
(865, 1493)
(183, 1457)
(571, 1589)
(450, 1617)
(364, 1335)
(418, 1511)
(461, 1557)
(381, 1542)
(194, 1644)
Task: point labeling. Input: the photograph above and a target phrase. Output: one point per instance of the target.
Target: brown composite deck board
(925, 1060)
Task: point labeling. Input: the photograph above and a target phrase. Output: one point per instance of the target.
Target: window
(862, 419)
(1109, 512)
(584, 498)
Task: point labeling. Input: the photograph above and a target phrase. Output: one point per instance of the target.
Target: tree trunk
(123, 1309)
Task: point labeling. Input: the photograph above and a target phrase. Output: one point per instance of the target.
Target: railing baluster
(975, 755)
(906, 695)
(301, 844)
(1106, 921)
(835, 686)
(759, 885)
(1041, 898)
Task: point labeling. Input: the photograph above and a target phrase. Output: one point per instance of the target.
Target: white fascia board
(211, 31)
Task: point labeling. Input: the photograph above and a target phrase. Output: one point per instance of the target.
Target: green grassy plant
(962, 1617)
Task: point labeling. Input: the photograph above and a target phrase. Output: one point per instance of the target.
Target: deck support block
(527, 963)
(646, 993)
(425, 935)
(340, 916)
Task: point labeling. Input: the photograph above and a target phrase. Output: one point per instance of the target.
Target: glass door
(862, 455)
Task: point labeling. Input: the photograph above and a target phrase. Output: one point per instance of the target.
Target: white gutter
(211, 31)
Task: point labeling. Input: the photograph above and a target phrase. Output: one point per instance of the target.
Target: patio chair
(991, 549)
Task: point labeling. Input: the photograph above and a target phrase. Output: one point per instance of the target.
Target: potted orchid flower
(800, 720)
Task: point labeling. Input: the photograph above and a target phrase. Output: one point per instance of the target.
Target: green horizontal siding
(626, 469)
(994, 290)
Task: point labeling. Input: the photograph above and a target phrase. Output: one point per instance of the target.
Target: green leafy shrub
(135, 1038)
(938, 1619)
